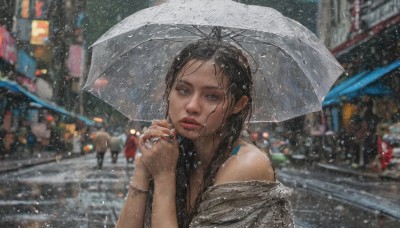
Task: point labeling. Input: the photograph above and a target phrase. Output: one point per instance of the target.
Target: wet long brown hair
(233, 63)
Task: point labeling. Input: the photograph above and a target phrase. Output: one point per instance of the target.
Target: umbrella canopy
(292, 69)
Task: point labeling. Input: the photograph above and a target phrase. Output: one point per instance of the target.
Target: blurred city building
(42, 62)
(364, 36)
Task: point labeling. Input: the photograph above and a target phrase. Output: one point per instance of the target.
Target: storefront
(23, 111)
(367, 45)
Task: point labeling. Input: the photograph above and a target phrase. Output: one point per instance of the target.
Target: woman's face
(198, 100)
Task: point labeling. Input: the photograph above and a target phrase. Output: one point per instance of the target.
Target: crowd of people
(115, 143)
(27, 140)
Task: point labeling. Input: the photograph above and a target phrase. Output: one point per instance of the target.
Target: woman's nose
(193, 105)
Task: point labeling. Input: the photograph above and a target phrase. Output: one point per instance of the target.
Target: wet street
(330, 200)
(73, 193)
(70, 193)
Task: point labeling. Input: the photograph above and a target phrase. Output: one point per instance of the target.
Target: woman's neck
(205, 149)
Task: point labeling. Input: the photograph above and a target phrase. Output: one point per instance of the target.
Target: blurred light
(49, 118)
(265, 135)
(132, 131)
(98, 119)
(40, 32)
(100, 83)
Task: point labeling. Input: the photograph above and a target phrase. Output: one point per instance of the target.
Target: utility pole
(57, 41)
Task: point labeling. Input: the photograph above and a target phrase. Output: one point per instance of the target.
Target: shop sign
(26, 64)
(40, 32)
(7, 46)
(23, 29)
(379, 11)
(23, 8)
(40, 10)
(44, 89)
(75, 62)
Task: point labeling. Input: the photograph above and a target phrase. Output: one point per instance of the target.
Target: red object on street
(385, 151)
(131, 146)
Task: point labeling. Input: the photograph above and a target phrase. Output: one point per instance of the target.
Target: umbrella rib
(235, 34)
(247, 53)
(269, 91)
(171, 39)
(285, 53)
(203, 33)
(187, 30)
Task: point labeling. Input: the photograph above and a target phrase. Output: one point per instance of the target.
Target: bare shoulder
(250, 163)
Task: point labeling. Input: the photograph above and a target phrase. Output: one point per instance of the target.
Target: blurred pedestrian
(77, 143)
(131, 146)
(2, 146)
(115, 147)
(101, 144)
(31, 140)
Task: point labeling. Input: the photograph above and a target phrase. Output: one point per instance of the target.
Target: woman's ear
(240, 104)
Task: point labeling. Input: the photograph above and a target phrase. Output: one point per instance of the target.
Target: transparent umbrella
(292, 69)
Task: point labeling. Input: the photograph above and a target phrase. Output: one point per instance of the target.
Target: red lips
(189, 123)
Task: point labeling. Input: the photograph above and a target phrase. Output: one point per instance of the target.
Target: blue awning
(85, 120)
(360, 84)
(14, 87)
(334, 92)
(370, 78)
(376, 89)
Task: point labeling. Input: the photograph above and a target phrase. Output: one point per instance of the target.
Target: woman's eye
(182, 90)
(213, 97)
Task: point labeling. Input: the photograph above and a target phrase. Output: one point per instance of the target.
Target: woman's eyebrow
(182, 81)
(210, 87)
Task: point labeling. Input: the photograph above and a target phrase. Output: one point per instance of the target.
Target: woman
(202, 172)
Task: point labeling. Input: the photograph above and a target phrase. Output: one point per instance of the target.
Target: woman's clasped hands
(160, 149)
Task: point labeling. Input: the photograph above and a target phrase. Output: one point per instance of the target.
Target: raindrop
(263, 55)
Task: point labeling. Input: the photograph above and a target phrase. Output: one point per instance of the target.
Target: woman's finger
(156, 132)
(161, 123)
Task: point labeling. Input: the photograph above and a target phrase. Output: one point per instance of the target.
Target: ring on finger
(154, 140)
(169, 138)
